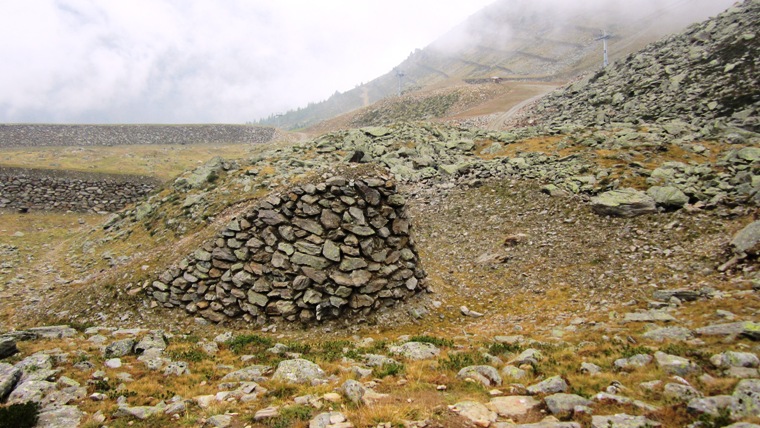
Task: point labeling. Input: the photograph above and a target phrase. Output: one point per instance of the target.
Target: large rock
(551, 385)
(34, 390)
(7, 347)
(486, 375)
(60, 417)
(668, 333)
(120, 348)
(514, 406)
(622, 421)
(747, 394)
(668, 197)
(735, 359)
(416, 350)
(563, 405)
(476, 412)
(675, 365)
(747, 240)
(154, 340)
(298, 371)
(623, 203)
(9, 376)
(256, 373)
(53, 331)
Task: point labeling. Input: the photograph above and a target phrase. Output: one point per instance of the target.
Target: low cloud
(172, 61)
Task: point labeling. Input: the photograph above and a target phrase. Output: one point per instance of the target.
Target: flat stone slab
(474, 411)
(623, 203)
(648, 316)
(298, 371)
(562, 405)
(623, 421)
(514, 406)
(416, 350)
(726, 329)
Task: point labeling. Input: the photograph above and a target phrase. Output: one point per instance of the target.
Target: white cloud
(201, 60)
(189, 61)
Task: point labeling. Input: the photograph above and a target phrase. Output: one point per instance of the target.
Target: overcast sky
(195, 61)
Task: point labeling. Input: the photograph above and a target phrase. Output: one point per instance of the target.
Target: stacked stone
(45, 135)
(63, 191)
(339, 248)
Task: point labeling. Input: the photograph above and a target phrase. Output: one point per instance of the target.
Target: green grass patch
(437, 341)
(22, 415)
(458, 360)
(249, 343)
(497, 348)
(289, 416)
(391, 369)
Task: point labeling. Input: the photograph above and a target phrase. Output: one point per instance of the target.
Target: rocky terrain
(705, 77)
(576, 274)
(37, 135)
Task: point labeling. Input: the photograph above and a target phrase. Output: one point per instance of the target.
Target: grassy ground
(161, 161)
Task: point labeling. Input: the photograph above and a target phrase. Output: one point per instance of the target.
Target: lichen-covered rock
(476, 412)
(9, 375)
(623, 203)
(668, 197)
(623, 421)
(486, 375)
(562, 405)
(551, 385)
(416, 350)
(514, 406)
(298, 371)
(674, 364)
(747, 240)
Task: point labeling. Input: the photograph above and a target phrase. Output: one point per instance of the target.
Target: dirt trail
(500, 122)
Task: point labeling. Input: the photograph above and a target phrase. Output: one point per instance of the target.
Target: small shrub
(23, 415)
(503, 348)
(721, 420)
(459, 360)
(282, 391)
(333, 349)
(391, 369)
(193, 355)
(298, 347)
(433, 340)
(289, 416)
(238, 344)
(628, 351)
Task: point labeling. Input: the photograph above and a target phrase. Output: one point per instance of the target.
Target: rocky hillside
(705, 77)
(517, 41)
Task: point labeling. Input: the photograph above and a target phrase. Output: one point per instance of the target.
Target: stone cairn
(339, 248)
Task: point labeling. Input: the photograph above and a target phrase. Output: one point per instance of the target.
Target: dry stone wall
(339, 248)
(36, 189)
(43, 135)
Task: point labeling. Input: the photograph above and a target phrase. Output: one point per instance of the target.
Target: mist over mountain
(518, 40)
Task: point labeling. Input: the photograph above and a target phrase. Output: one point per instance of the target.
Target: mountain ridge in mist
(517, 40)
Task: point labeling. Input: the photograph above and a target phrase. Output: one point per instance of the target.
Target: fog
(232, 61)
(171, 61)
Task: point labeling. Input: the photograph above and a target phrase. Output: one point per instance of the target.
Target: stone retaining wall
(319, 251)
(42, 135)
(37, 189)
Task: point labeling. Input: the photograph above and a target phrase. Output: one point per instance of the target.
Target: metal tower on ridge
(400, 74)
(604, 38)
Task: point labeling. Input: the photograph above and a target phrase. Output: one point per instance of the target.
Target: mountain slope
(706, 74)
(523, 40)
